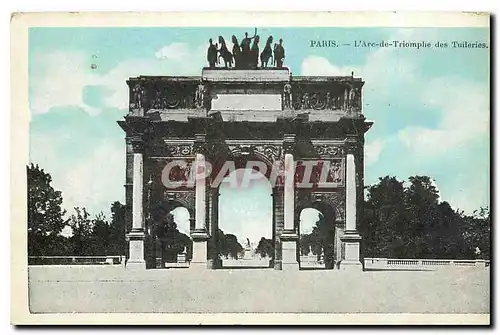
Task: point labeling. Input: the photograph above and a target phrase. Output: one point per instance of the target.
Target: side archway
(170, 226)
(319, 242)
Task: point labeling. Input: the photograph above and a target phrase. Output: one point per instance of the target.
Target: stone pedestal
(136, 249)
(351, 261)
(289, 260)
(200, 255)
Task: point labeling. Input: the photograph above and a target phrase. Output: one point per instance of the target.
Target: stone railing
(422, 264)
(182, 262)
(77, 260)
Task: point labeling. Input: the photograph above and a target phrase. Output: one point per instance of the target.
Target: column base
(214, 264)
(200, 266)
(199, 261)
(351, 265)
(351, 261)
(289, 260)
(136, 259)
(136, 265)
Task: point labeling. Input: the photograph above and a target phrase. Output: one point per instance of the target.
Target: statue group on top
(245, 55)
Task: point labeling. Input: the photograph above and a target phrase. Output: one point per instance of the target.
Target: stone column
(289, 237)
(277, 226)
(351, 238)
(199, 234)
(136, 235)
(214, 261)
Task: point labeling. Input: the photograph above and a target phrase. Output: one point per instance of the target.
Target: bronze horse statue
(266, 53)
(225, 54)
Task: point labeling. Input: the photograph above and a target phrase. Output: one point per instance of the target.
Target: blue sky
(430, 106)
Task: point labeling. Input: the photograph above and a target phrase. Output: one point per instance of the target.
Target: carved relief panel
(344, 96)
(165, 94)
(317, 174)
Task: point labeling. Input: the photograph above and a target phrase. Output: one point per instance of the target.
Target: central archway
(245, 228)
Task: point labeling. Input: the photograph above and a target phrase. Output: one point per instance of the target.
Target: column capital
(136, 234)
(200, 144)
(137, 143)
(351, 145)
(199, 235)
(289, 143)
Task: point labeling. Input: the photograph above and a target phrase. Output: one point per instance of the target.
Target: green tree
(477, 234)
(100, 237)
(227, 245)
(234, 248)
(320, 240)
(409, 221)
(383, 222)
(265, 247)
(421, 200)
(117, 244)
(82, 226)
(45, 215)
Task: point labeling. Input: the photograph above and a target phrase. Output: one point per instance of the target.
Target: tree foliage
(320, 240)
(45, 215)
(407, 220)
(227, 245)
(265, 248)
(173, 242)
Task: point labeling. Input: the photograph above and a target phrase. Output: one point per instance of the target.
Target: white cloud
(59, 78)
(320, 66)
(469, 193)
(176, 51)
(464, 117)
(94, 182)
(373, 150)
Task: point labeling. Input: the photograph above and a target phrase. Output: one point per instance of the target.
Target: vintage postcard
(251, 168)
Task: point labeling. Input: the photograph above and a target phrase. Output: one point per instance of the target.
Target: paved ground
(114, 289)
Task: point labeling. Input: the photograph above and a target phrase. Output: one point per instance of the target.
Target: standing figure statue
(279, 54)
(224, 53)
(138, 96)
(267, 53)
(236, 53)
(353, 99)
(254, 53)
(212, 54)
(328, 101)
(335, 172)
(200, 95)
(305, 101)
(287, 92)
(245, 48)
(346, 97)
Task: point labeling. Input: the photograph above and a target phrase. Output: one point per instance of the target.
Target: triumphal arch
(307, 130)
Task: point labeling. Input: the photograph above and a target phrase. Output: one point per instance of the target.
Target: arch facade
(324, 143)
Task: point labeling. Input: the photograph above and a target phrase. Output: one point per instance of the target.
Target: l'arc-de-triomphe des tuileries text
(239, 112)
